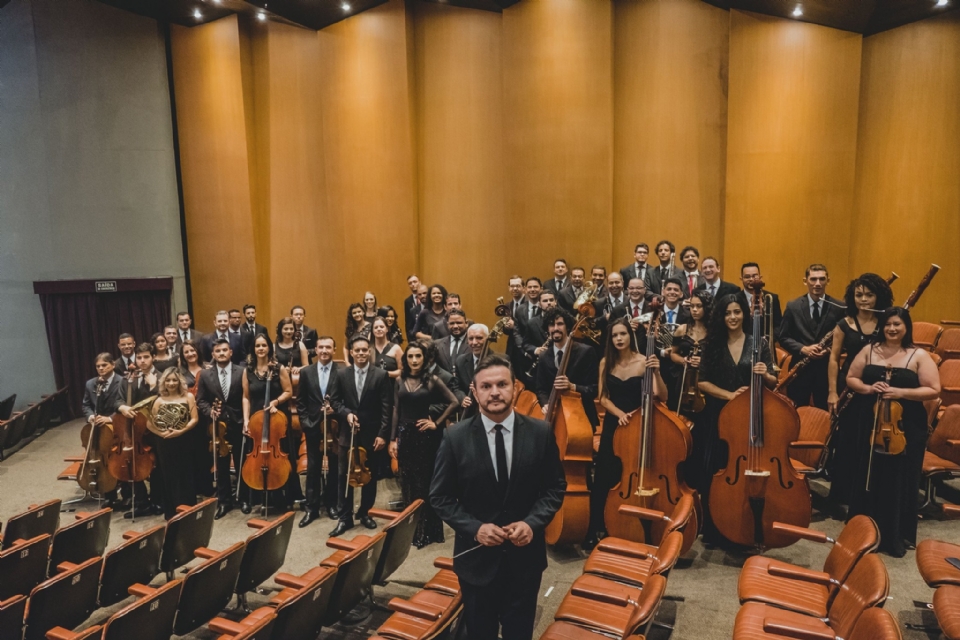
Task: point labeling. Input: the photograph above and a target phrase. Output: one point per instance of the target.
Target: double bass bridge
(647, 493)
(758, 474)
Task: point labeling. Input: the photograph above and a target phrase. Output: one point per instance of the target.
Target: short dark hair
(453, 295)
(104, 357)
(672, 246)
(552, 315)
(515, 277)
(358, 338)
(687, 249)
(715, 261)
(249, 306)
(748, 264)
(233, 311)
(904, 315)
(816, 266)
(124, 336)
(169, 326)
(494, 360)
(599, 266)
(145, 347)
(180, 314)
(405, 366)
(295, 307)
(580, 269)
(559, 260)
(675, 281)
(220, 341)
(412, 275)
(533, 279)
(456, 312)
(641, 245)
(331, 338)
(547, 292)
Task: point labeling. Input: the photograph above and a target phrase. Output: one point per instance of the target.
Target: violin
(358, 473)
(295, 382)
(887, 436)
(130, 460)
(219, 446)
(267, 467)
(651, 448)
(93, 475)
(758, 485)
(691, 398)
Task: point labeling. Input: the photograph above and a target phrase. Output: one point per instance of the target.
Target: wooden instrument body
(130, 460)
(333, 445)
(94, 475)
(268, 429)
(691, 398)
(359, 473)
(759, 480)
(668, 446)
(525, 402)
(574, 435)
(888, 415)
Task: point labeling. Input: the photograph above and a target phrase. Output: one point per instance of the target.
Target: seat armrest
(222, 625)
(383, 514)
(799, 573)
(287, 580)
(443, 563)
(619, 550)
(204, 552)
(140, 590)
(801, 532)
(600, 596)
(72, 459)
(66, 566)
(130, 535)
(257, 523)
(800, 631)
(640, 512)
(953, 443)
(59, 633)
(183, 507)
(414, 609)
(80, 515)
(952, 510)
(343, 545)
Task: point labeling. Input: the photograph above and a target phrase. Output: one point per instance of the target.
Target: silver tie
(223, 383)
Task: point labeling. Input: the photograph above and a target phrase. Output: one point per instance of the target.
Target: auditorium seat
(150, 617)
(445, 580)
(950, 382)
(946, 606)
(265, 553)
(301, 606)
(354, 573)
(135, 560)
(926, 334)
(610, 611)
(208, 587)
(84, 538)
(948, 346)
(427, 614)
(932, 562)
(942, 457)
(35, 521)
(808, 453)
(866, 587)
(13, 430)
(65, 600)
(12, 611)
(23, 566)
(258, 625)
(186, 532)
(807, 591)
(6, 407)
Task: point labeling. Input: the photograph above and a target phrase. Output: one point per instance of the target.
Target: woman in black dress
(861, 327)
(890, 498)
(190, 364)
(621, 385)
(259, 364)
(416, 438)
(174, 417)
(357, 325)
(394, 333)
(161, 360)
(386, 354)
(290, 352)
(725, 372)
(432, 314)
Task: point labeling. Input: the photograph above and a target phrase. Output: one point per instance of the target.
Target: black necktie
(816, 312)
(559, 358)
(502, 478)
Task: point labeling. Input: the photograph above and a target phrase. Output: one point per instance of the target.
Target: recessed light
(345, 6)
(197, 14)
(797, 12)
(942, 3)
(261, 16)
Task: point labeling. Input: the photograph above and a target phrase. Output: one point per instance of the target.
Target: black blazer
(723, 289)
(698, 281)
(374, 409)
(554, 285)
(121, 369)
(682, 315)
(529, 334)
(443, 351)
(110, 399)
(309, 398)
(583, 370)
(192, 334)
(209, 390)
(436, 410)
(777, 314)
(655, 284)
(629, 272)
(410, 312)
(236, 345)
(798, 329)
(464, 494)
(249, 334)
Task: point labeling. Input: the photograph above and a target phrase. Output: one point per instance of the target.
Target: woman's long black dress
(175, 455)
(417, 450)
(289, 357)
(892, 498)
(694, 467)
(257, 387)
(627, 396)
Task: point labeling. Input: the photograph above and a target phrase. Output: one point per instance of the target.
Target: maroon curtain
(81, 323)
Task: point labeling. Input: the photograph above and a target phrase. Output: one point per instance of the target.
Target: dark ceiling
(860, 16)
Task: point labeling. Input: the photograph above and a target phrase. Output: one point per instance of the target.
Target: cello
(758, 485)
(653, 447)
(574, 435)
(267, 467)
(94, 476)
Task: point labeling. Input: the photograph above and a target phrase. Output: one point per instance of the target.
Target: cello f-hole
(789, 484)
(736, 472)
(629, 492)
(668, 492)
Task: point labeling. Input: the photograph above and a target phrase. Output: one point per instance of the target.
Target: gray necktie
(223, 383)
(324, 372)
(361, 377)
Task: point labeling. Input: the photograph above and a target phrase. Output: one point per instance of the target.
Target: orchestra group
(656, 338)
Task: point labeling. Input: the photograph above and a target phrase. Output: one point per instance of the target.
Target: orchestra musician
(569, 294)
(127, 361)
(531, 336)
(290, 354)
(250, 327)
(357, 326)
(559, 279)
(222, 332)
(235, 320)
(639, 268)
(171, 335)
(750, 273)
(454, 344)
(582, 370)
(190, 366)
(100, 409)
(370, 306)
(894, 479)
(711, 283)
(386, 354)
(690, 279)
(635, 306)
(309, 336)
(184, 330)
(422, 295)
(312, 404)
(364, 394)
(394, 334)
(665, 268)
(163, 359)
(807, 320)
(412, 305)
(442, 328)
(175, 413)
(615, 296)
(466, 364)
(598, 275)
(434, 311)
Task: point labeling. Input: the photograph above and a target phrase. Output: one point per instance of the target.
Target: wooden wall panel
(791, 148)
(460, 181)
(558, 133)
(670, 122)
(370, 229)
(908, 168)
(214, 162)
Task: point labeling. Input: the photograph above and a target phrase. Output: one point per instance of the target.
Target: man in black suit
(235, 333)
(250, 328)
(559, 279)
(690, 278)
(711, 283)
(806, 321)
(639, 268)
(615, 295)
(665, 269)
(98, 408)
(569, 294)
(224, 382)
(598, 275)
(498, 482)
(184, 332)
(127, 361)
(454, 344)
(530, 307)
(532, 336)
(442, 329)
(750, 273)
(422, 292)
(634, 308)
(430, 353)
(582, 374)
(466, 364)
(312, 404)
(222, 332)
(170, 335)
(411, 305)
(308, 336)
(674, 312)
(364, 394)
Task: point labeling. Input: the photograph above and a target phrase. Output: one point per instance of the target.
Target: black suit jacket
(723, 289)
(192, 334)
(567, 297)
(629, 272)
(685, 283)
(777, 314)
(110, 398)
(465, 495)
(436, 410)
(583, 370)
(209, 390)
(236, 345)
(374, 408)
(309, 397)
(121, 369)
(529, 334)
(798, 329)
(655, 283)
(249, 334)
(554, 285)
(411, 311)
(443, 351)
(682, 315)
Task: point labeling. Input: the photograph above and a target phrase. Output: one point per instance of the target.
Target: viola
(691, 398)
(219, 446)
(358, 473)
(267, 467)
(651, 448)
(758, 485)
(887, 436)
(93, 475)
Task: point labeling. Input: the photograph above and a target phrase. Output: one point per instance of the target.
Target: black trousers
(508, 603)
(320, 495)
(811, 380)
(368, 494)
(225, 494)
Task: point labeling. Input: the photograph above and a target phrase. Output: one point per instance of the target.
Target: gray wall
(87, 178)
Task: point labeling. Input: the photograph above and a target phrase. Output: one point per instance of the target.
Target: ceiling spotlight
(797, 12)
(197, 14)
(261, 16)
(345, 6)
(942, 3)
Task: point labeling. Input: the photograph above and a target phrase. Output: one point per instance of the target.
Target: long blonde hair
(162, 384)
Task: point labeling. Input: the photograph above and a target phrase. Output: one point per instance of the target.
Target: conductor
(498, 482)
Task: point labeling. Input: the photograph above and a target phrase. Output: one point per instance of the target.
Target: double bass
(93, 475)
(758, 486)
(130, 459)
(652, 448)
(267, 467)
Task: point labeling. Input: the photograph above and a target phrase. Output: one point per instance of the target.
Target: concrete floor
(701, 598)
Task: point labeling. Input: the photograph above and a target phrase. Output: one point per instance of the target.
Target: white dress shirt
(490, 427)
(811, 302)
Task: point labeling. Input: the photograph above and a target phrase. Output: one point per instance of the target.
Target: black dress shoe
(139, 512)
(119, 505)
(342, 527)
(245, 508)
(308, 517)
(368, 522)
(223, 509)
(157, 509)
(590, 543)
(333, 513)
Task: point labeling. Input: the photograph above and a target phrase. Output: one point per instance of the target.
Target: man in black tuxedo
(750, 273)
(224, 382)
(530, 307)
(127, 361)
(250, 328)
(308, 336)
(569, 294)
(422, 292)
(582, 374)
(235, 333)
(598, 275)
(639, 268)
(364, 394)
(665, 269)
(498, 482)
(222, 332)
(411, 305)
(614, 297)
(712, 284)
(560, 277)
(184, 332)
(806, 321)
(315, 382)
(690, 278)
(454, 344)
(466, 364)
